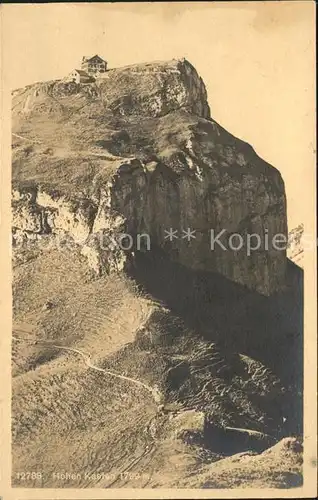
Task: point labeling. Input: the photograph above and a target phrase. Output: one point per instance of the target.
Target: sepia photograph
(162, 172)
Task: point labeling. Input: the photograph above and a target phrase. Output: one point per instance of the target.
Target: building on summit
(94, 65)
(91, 68)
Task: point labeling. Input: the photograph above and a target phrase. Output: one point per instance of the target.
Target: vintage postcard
(158, 250)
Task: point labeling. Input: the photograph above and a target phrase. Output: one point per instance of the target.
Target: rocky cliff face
(117, 163)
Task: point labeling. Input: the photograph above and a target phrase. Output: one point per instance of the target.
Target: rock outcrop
(136, 155)
(295, 249)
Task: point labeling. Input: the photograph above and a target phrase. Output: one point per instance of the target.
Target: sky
(257, 60)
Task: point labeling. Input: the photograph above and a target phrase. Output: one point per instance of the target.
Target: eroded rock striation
(138, 153)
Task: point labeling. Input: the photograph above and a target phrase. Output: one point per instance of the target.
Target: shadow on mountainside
(268, 329)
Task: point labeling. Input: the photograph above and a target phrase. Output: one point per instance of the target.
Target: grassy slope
(96, 315)
(59, 405)
(68, 417)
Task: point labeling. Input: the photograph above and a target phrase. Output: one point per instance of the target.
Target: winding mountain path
(88, 361)
(149, 440)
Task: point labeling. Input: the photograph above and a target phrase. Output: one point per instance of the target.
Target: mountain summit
(139, 145)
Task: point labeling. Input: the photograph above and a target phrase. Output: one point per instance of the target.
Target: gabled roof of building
(81, 72)
(96, 56)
